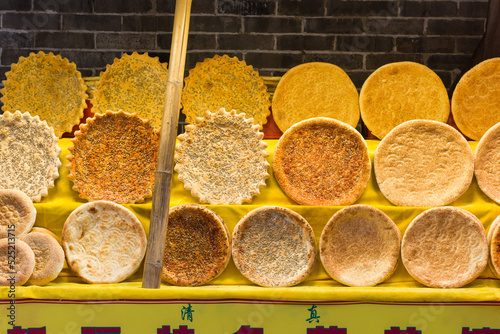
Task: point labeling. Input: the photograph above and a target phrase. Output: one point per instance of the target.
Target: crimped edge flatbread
(213, 268)
(23, 207)
(262, 276)
(381, 238)
(486, 156)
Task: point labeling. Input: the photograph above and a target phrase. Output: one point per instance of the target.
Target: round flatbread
(487, 163)
(104, 242)
(360, 246)
(17, 262)
(29, 154)
(49, 257)
(274, 246)
(493, 238)
(135, 83)
(17, 213)
(445, 248)
(197, 248)
(423, 163)
(113, 158)
(475, 103)
(399, 92)
(222, 159)
(47, 86)
(225, 82)
(315, 90)
(322, 161)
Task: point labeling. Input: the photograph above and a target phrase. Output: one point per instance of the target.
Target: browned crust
(17, 213)
(487, 163)
(494, 247)
(274, 246)
(445, 247)
(322, 161)
(197, 248)
(104, 242)
(24, 259)
(423, 163)
(360, 246)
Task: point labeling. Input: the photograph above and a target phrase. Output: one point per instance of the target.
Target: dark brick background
(271, 35)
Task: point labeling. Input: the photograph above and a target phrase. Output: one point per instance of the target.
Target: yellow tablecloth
(62, 200)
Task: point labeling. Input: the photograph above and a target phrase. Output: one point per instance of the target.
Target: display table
(231, 303)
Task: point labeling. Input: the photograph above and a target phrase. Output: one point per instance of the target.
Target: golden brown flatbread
(493, 238)
(113, 158)
(17, 213)
(399, 92)
(475, 103)
(104, 242)
(487, 163)
(135, 83)
(47, 86)
(423, 163)
(445, 248)
(315, 89)
(29, 154)
(221, 158)
(49, 257)
(17, 262)
(274, 246)
(322, 161)
(197, 248)
(225, 82)
(360, 246)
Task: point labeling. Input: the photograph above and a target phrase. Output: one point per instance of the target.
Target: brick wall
(271, 35)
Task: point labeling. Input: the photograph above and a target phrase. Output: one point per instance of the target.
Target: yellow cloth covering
(62, 200)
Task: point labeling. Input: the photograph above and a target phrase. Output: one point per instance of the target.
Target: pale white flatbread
(17, 213)
(104, 242)
(423, 163)
(360, 246)
(445, 247)
(274, 246)
(17, 262)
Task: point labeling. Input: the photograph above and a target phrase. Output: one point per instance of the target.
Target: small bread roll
(17, 213)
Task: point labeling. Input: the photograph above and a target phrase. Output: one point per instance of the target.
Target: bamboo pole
(164, 169)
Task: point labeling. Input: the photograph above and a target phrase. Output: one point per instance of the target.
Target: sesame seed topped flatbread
(315, 89)
(475, 104)
(399, 92)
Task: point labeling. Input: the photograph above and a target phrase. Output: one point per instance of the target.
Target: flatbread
(29, 154)
(315, 90)
(197, 248)
(225, 82)
(445, 248)
(221, 158)
(104, 242)
(423, 163)
(49, 257)
(113, 158)
(493, 238)
(47, 86)
(274, 246)
(17, 213)
(135, 83)
(399, 92)
(475, 103)
(360, 246)
(17, 262)
(322, 161)
(487, 163)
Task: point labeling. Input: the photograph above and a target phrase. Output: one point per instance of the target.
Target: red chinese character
(163, 330)
(101, 330)
(183, 330)
(397, 330)
(484, 330)
(36, 330)
(329, 330)
(17, 330)
(249, 330)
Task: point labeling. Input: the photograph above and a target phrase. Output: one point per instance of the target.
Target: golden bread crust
(13, 249)
(445, 247)
(487, 163)
(493, 238)
(315, 89)
(360, 246)
(104, 242)
(399, 92)
(423, 163)
(198, 246)
(17, 213)
(475, 103)
(322, 161)
(274, 246)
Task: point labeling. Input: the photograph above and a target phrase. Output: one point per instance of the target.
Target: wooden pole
(164, 169)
